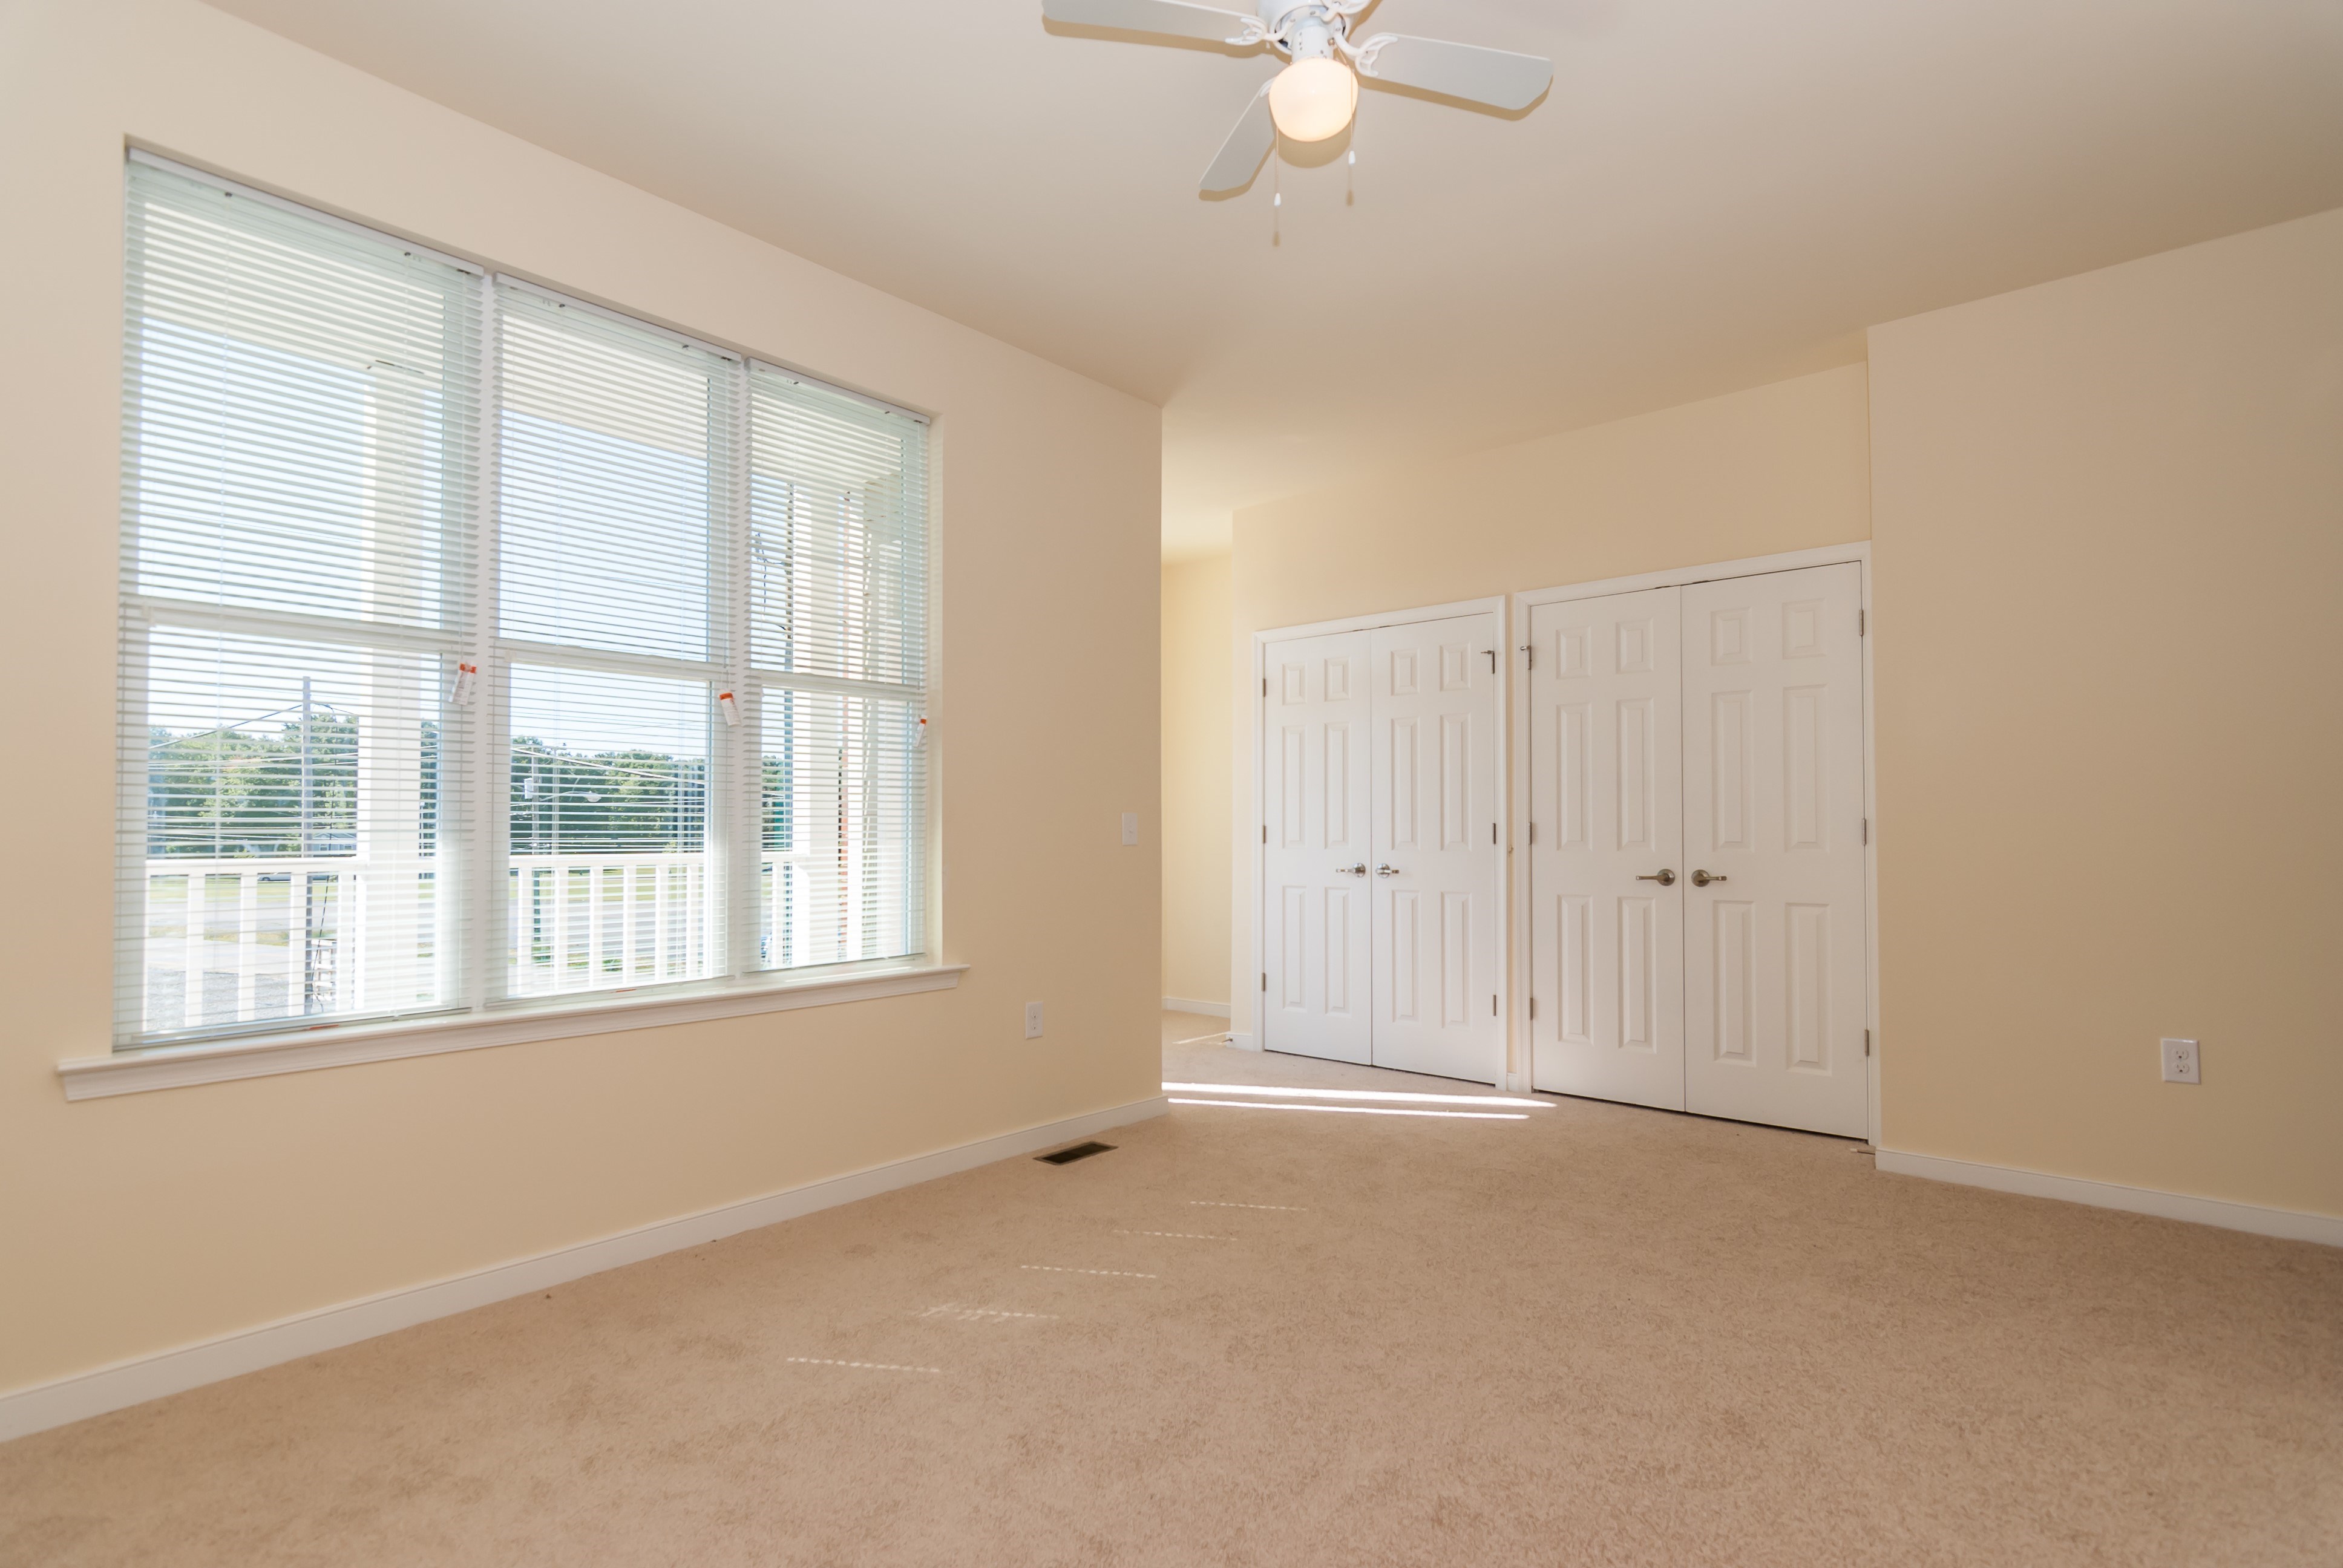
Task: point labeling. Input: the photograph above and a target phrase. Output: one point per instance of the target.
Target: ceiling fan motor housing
(1273, 13)
(1312, 38)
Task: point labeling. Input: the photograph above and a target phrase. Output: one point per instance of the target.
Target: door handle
(1388, 871)
(1358, 870)
(1666, 877)
(1701, 879)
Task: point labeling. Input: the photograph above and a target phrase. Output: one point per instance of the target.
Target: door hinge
(1493, 1004)
(1862, 622)
(1866, 1043)
(1492, 833)
(1265, 980)
(1532, 1006)
(1866, 830)
(1265, 832)
(1534, 833)
(1531, 648)
(1264, 686)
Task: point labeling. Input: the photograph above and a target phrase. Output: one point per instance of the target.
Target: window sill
(307, 1049)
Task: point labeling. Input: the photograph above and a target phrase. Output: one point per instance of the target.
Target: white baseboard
(2289, 1224)
(142, 1378)
(1243, 1040)
(1188, 1004)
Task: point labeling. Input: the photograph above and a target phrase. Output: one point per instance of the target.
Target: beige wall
(1779, 467)
(1196, 824)
(131, 1224)
(2108, 545)
(2108, 541)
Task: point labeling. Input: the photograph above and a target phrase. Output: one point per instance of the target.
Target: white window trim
(316, 1046)
(309, 1047)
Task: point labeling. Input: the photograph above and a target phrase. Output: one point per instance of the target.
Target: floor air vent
(1079, 1151)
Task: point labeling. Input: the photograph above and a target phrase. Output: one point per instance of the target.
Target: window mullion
(169, 610)
(488, 805)
(843, 686)
(738, 813)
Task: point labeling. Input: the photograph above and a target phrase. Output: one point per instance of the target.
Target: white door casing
(1316, 858)
(1774, 974)
(1604, 820)
(1437, 859)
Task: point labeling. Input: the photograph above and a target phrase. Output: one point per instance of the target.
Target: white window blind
(482, 648)
(302, 424)
(837, 607)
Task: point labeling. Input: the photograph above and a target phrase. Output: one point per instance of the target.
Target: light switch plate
(1033, 1021)
(2181, 1063)
(1131, 827)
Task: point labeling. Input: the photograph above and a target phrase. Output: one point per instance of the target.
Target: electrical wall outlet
(1033, 1021)
(2180, 1062)
(1131, 827)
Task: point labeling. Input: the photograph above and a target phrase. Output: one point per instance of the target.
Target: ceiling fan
(1316, 94)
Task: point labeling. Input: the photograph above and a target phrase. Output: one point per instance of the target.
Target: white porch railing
(238, 940)
(588, 922)
(248, 939)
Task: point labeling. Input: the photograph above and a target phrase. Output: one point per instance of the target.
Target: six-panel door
(1436, 856)
(1773, 947)
(1695, 863)
(1316, 858)
(1748, 960)
(1606, 911)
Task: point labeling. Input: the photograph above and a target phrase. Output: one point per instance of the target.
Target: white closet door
(1773, 856)
(1606, 814)
(1317, 996)
(1435, 852)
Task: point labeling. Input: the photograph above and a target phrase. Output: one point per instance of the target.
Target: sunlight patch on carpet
(1292, 1093)
(1357, 1110)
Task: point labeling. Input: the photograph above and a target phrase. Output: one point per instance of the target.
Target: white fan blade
(1249, 142)
(1176, 18)
(1495, 76)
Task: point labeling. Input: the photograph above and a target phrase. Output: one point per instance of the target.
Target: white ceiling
(1714, 193)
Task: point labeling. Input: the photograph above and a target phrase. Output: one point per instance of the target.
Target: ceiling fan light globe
(1313, 98)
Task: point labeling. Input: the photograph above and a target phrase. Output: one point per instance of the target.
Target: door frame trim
(1857, 554)
(1500, 717)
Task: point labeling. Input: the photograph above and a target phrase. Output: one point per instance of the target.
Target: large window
(482, 647)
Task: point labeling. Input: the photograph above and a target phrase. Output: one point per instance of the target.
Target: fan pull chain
(1276, 197)
(1350, 161)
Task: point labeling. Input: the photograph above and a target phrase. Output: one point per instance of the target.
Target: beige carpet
(1598, 1335)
